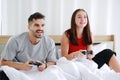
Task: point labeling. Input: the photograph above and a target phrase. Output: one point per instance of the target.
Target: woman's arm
(65, 49)
(89, 48)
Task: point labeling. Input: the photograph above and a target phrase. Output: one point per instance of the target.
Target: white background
(103, 14)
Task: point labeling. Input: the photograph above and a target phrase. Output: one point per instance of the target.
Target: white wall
(114, 24)
(0, 18)
(103, 14)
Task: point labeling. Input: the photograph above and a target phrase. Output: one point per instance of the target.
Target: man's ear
(28, 27)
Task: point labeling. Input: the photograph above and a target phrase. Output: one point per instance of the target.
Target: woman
(79, 38)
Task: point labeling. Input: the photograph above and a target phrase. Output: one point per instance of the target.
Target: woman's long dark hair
(72, 33)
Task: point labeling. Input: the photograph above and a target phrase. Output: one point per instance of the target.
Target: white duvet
(76, 69)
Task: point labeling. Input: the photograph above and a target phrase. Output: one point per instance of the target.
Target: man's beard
(40, 35)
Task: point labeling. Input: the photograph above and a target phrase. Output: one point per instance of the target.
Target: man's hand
(26, 66)
(42, 67)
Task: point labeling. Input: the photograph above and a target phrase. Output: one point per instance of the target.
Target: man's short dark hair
(36, 15)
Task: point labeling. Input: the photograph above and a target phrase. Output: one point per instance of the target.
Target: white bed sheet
(77, 69)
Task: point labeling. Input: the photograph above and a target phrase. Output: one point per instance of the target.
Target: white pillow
(96, 48)
(99, 47)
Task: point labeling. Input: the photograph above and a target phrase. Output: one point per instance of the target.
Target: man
(31, 46)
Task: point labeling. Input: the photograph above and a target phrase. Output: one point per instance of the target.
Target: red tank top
(80, 46)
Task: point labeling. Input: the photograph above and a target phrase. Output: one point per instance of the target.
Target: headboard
(97, 39)
(4, 39)
(57, 39)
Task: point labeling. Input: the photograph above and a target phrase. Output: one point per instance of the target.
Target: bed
(61, 70)
(100, 42)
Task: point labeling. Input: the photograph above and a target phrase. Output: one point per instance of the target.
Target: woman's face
(81, 19)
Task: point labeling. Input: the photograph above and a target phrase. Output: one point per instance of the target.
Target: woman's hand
(77, 54)
(90, 56)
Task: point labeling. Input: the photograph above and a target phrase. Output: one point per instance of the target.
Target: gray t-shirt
(20, 49)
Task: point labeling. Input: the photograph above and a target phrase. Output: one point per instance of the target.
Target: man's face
(36, 27)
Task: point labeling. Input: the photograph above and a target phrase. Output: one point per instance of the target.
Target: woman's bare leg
(115, 63)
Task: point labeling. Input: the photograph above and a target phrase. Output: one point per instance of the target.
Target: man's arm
(50, 63)
(45, 65)
(16, 65)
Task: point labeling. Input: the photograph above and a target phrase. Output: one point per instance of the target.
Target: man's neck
(34, 40)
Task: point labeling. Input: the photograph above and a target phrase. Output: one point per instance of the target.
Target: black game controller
(87, 52)
(84, 52)
(35, 63)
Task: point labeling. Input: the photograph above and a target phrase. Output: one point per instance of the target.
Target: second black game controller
(84, 52)
(87, 52)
